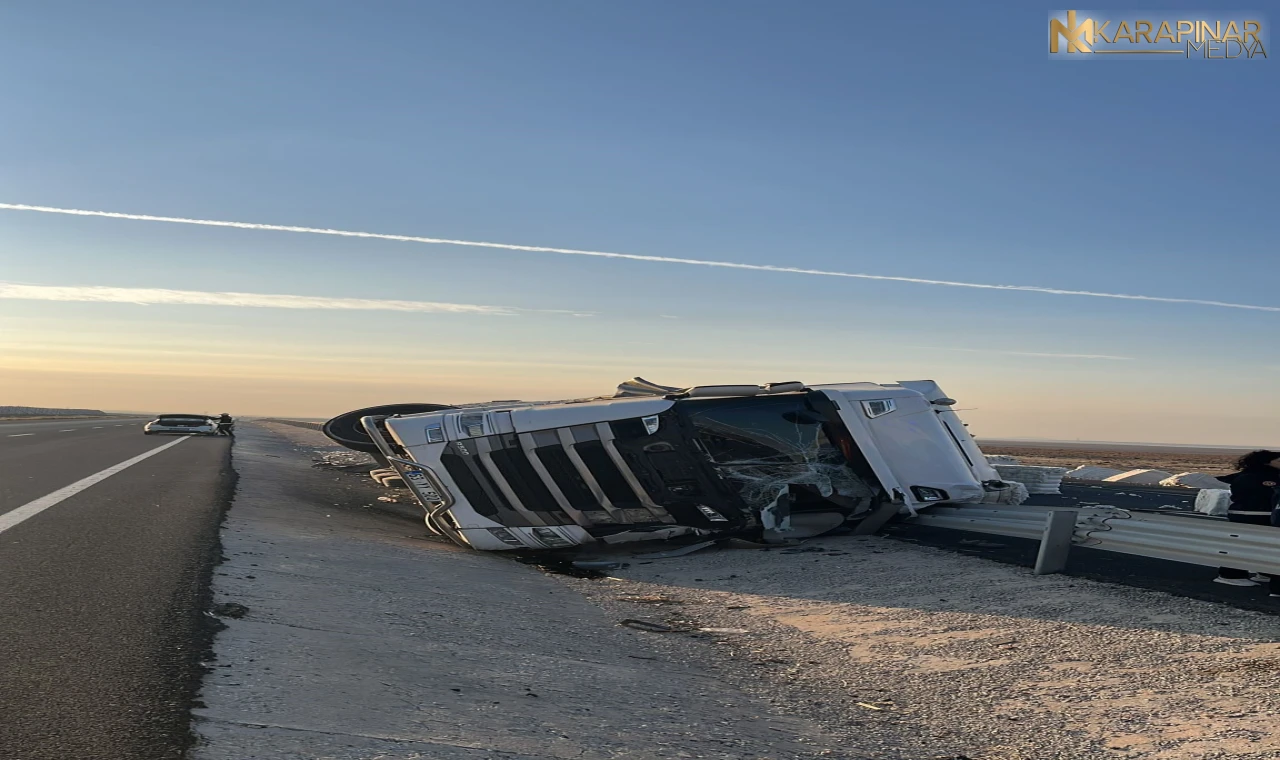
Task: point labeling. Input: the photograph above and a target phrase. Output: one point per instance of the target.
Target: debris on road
(598, 564)
(1140, 477)
(650, 626)
(651, 599)
(342, 460)
(230, 610)
(1038, 480)
(1213, 501)
(1198, 480)
(1092, 473)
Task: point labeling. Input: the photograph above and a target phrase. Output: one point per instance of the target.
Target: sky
(903, 140)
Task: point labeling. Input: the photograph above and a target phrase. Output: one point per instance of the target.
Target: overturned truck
(651, 462)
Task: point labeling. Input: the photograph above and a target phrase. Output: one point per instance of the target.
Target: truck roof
(699, 391)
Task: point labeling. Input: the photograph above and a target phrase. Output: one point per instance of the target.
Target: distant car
(181, 424)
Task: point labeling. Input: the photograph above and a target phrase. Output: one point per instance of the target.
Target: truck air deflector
(485, 453)
(607, 440)
(569, 445)
(530, 448)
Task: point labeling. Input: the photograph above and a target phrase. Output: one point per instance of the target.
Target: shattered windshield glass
(764, 446)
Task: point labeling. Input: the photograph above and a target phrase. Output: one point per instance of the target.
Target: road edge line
(32, 508)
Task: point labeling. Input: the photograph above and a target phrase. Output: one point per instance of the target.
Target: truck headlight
(929, 494)
(878, 407)
(711, 514)
(551, 538)
(506, 537)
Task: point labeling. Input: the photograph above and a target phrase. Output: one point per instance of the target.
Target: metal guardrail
(1206, 542)
(1014, 522)
(1196, 542)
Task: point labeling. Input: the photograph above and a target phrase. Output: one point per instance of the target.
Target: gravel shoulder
(346, 470)
(858, 647)
(351, 636)
(923, 653)
(1169, 460)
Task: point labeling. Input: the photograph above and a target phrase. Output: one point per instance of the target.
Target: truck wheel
(345, 429)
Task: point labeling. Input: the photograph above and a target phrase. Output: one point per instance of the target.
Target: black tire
(345, 429)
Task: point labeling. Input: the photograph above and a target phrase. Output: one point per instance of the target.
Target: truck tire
(345, 429)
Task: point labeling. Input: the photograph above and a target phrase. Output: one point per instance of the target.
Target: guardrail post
(1055, 544)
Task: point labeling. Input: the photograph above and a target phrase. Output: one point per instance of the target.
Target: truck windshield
(779, 429)
(766, 445)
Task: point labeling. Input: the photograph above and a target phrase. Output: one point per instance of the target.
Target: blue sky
(904, 139)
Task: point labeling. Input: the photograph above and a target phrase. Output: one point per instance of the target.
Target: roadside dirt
(1045, 456)
(907, 652)
(964, 658)
(350, 468)
(349, 637)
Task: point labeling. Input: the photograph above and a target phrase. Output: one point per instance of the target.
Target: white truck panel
(911, 442)
(528, 419)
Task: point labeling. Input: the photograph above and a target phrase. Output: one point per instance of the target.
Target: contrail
(1037, 354)
(157, 296)
(1043, 355)
(636, 257)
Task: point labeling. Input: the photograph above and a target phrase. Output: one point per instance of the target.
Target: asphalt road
(102, 592)
(1124, 496)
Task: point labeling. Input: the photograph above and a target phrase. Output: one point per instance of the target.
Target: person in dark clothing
(225, 424)
(1253, 501)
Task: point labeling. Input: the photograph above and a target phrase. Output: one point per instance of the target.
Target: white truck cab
(656, 462)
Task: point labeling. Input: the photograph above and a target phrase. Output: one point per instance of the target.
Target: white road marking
(19, 435)
(33, 508)
(98, 427)
(68, 430)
